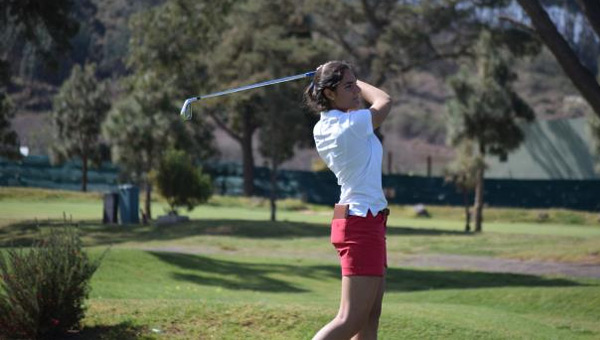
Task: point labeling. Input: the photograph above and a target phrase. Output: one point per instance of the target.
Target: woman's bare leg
(369, 331)
(359, 293)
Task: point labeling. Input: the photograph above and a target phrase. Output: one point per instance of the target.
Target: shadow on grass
(24, 233)
(124, 331)
(229, 274)
(207, 271)
(94, 233)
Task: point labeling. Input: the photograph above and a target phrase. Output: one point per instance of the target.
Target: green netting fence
(36, 171)
(320, 187)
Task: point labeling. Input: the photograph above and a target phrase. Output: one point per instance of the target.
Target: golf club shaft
(189, 101)
(253, 86)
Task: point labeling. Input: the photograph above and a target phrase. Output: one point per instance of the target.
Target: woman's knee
(355, 320)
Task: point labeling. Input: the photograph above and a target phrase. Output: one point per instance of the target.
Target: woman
(346, 141)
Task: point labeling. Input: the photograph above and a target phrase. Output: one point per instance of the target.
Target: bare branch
(221, 124)
(519, 24)
(582, 78)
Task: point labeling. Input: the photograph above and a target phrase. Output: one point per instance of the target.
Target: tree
(583, 78)
(204, 47)
(486, 110)
(45, 26)
(387, 38)
(181, 182)
(137, 136)
(167, 62)
(463, 173)
(78, 110)
(143, 125)
(264, 40)
(284, 128)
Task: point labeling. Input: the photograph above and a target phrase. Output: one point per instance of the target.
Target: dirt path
(498, 265)
(458, 262)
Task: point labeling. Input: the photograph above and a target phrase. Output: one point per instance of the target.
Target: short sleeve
(361, 122)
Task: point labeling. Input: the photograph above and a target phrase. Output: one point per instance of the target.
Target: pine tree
(167, 60)
(283, 130)
(197, 48)
(144, 124)
(463, 173)
(41, 26)
(264, 40)
(485, 110)
(78, 111)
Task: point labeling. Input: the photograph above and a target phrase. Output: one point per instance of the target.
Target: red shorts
(360, 243)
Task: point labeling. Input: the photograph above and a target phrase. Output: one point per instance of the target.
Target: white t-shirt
(348, 145)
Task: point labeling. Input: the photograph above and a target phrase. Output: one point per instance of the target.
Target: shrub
(181, 182)
(43, 288)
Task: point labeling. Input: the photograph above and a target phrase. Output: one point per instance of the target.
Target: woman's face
(346, 95)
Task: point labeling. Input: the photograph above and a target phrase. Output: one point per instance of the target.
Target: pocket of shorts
(338, 230)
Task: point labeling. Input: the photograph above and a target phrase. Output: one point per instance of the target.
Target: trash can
(111, 204)
(129, 204)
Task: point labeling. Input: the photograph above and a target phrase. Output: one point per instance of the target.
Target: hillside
(414, 131)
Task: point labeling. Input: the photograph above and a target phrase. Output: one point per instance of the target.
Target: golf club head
(186, 110)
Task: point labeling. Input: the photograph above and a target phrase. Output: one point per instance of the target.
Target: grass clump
(43, 288)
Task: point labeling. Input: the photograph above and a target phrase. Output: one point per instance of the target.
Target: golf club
(186, 109)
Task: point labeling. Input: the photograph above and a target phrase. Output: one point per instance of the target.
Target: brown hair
(327, 76)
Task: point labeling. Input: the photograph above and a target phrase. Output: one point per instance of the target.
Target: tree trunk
(245, 141)
(247, 155)
(148, 200)
(591, 9)
(467, 213)
(84, 169)
(273, 195)
(478, 207)
(582, 78)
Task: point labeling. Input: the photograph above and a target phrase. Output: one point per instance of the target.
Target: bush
(43, 288)
(181, 182)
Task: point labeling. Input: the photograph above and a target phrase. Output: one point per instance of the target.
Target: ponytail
(327, 76)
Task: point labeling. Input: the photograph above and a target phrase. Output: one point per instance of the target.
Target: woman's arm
(381, 103)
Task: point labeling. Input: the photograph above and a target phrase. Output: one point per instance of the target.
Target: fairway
(375, 169)
(231, 274)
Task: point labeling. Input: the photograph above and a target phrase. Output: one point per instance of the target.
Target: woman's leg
(369, 331)
(359, 293)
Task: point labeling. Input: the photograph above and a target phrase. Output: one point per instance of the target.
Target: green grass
(230, 296)
(230, 274)
(91, 203)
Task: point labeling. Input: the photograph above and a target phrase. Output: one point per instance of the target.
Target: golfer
(346, 141)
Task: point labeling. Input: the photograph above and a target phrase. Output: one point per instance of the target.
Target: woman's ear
(330, 95)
